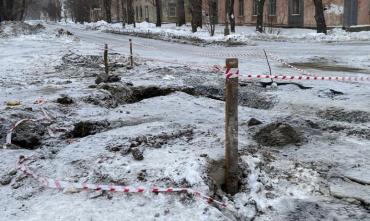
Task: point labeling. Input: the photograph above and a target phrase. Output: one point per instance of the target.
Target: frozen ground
(323, 177)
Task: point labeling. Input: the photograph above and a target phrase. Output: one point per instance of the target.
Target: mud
(278, 134)
(65, 100)
(86, 128)
(342, 115)
(28, 135)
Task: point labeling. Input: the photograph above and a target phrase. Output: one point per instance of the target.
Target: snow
(335, 9)
(244, 34)
(277, 181)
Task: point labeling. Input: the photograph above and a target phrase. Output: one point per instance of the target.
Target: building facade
(300, 13)
(145, 10)
(285, 13)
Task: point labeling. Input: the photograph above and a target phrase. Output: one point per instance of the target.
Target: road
(349, 54)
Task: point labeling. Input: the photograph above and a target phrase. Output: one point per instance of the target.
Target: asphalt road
(348, 54)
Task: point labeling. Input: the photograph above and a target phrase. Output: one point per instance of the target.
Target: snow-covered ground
(323, 177)
(244, 34)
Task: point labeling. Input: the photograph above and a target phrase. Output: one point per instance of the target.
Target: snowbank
(244, 35)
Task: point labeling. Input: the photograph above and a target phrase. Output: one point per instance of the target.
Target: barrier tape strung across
(280, 60)
(232, 73)
(46, 116)
(307, 78)
(62, 185)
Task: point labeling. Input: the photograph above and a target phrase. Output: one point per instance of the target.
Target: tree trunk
(118, 9)
(227, 30)
(8, 10)
(231, 16)
(124, 12)
(259, 24)
(107, 4)
(212, 15)
(320, 17)
(196, 14)
(1, 10)
(158, 6)
(181, 13)
(130, 13)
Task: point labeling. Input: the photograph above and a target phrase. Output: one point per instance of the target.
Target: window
(241, 7)
(272, 7)
(172, 10)
(368, 6)
(255, 7)
(296, 7)
(141, 12)
(137, 13)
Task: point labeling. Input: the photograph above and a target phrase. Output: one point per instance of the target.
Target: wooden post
(106, 64)
(131, 57)
(231, 127)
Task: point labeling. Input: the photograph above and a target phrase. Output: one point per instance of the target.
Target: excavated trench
(119, 94)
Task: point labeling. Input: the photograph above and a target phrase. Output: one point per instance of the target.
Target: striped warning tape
(46, 116)
(282, 61)
(63, 185)
(231, 54)
(302, 78)
(232, 73)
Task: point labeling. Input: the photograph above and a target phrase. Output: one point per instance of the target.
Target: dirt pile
(12, 28)
(93, 61)
(62, 32)
(278, 134)
(65, 100)
(86, 128)
(28, 135)
(355, 116)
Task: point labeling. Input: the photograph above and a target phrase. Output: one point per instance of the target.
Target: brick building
(145, 10)
(288, 13)
(300, 13)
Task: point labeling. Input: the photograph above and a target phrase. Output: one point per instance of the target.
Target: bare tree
(158, 6)
(196, 14)
(80, 9)
(181, 13)
(124, 11)
(260, 7)
(12, 10)
(107, 5)
(319, 17)
(211, 17)
(118, 10)
(54, 10)
(231, 16)
(1, 10)
(227, 30)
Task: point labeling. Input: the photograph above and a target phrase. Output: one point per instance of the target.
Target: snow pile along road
(245, 35)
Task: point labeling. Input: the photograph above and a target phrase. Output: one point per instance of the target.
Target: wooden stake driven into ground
(131, 57)
(106, 64)
(231, 131)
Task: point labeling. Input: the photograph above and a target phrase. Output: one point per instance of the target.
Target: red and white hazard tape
(280, 60)
(308, 78)
(232, 73)
(46, 116)
(63, 185)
